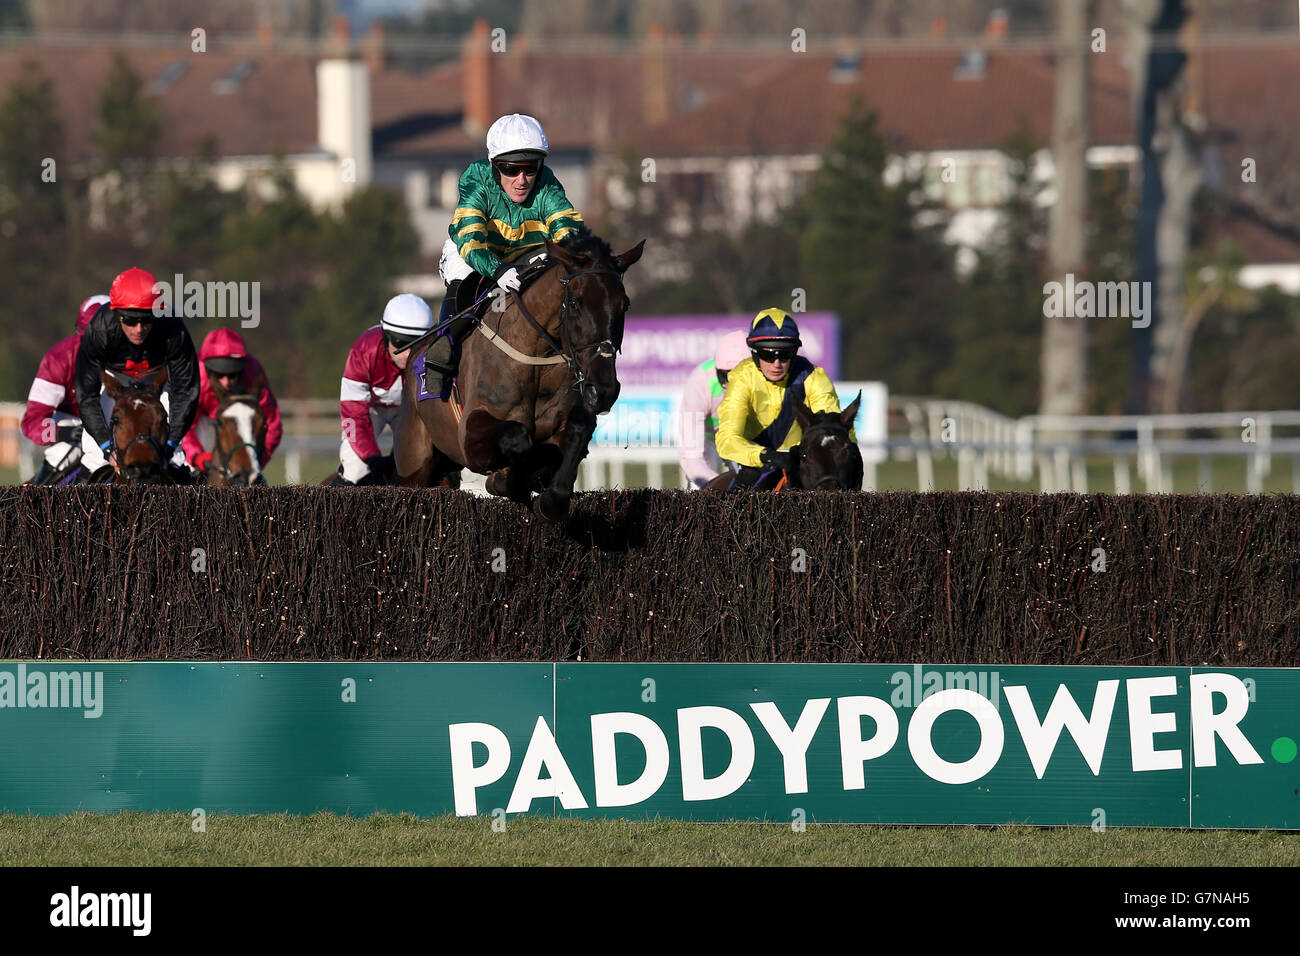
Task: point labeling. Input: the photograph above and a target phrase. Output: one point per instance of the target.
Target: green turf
(167, 839)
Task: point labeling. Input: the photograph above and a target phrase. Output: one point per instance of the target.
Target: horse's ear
(850, 414)
(113, 383)
(803, 414)
(629, 258)
(259, 384)
(558, 254)
(155, 380)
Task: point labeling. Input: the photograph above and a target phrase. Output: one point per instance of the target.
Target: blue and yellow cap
(773, 327)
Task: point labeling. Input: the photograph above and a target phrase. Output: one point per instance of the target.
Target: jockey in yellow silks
(756, 421)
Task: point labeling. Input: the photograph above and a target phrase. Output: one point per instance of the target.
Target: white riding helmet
(407, 315)
(516, 133)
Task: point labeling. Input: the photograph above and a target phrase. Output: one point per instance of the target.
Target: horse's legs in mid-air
(490, 441)
(553, 503)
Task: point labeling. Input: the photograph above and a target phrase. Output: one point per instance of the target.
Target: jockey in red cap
(131, 336)
(225, 361)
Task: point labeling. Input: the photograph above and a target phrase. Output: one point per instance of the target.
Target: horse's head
(826, 456)
(241, 436)
(593, 306)
(139, 424)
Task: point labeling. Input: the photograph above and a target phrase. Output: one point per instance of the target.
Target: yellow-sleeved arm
(733, 413)
(820, 396)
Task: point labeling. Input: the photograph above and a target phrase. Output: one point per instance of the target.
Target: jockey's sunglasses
(775, 355)
(400, 343)
(514, 169)
(133, 318)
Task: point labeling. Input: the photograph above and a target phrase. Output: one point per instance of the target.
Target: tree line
(874, 252)
(870, 250)
(324, 276)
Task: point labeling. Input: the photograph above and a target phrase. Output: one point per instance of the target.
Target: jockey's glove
(777, 459)
(201, 460)
(508, 280)
(69, 433)
(106, 445)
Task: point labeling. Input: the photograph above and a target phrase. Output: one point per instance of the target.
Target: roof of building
(270, 107)
(920, 96)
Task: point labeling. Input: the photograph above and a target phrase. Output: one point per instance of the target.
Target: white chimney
(343, 115)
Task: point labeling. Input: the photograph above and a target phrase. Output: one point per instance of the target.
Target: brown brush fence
(380, 574)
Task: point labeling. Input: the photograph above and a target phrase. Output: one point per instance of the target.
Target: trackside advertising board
(817, 743)
(659, 351)
(651, 417)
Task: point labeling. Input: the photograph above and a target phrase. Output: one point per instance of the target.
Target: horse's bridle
(832, 426)
(142, 437)
(153, 443)
(224, 461)
(605, 347)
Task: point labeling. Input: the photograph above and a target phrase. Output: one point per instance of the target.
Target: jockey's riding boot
(440, 360)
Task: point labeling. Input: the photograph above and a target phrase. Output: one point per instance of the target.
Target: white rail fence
(1052, 453)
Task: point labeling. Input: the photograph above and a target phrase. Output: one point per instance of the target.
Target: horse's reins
(564, 353)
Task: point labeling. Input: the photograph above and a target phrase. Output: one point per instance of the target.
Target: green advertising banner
(802, 743)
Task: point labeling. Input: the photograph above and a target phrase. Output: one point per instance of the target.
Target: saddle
(531, 261)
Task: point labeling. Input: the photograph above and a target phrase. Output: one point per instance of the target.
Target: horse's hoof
(551, 507)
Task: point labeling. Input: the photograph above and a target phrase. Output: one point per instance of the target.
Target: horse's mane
(585, 244)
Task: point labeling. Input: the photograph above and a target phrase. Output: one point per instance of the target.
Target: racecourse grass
(167, 839)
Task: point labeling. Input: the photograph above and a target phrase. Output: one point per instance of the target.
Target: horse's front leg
(553, 503)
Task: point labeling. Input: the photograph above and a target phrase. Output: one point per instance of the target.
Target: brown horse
(139, 426)
(826, 458)
(240, 441)
(532, 379)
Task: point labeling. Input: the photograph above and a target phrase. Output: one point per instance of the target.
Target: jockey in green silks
(508, 201)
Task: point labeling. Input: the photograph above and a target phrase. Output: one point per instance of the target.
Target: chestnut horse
(240, 441)
(826, 458)
(139, 427)
(532, 379)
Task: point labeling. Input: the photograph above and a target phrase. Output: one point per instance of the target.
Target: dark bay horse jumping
(139, 426)
(531, 381)
(826, 458)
